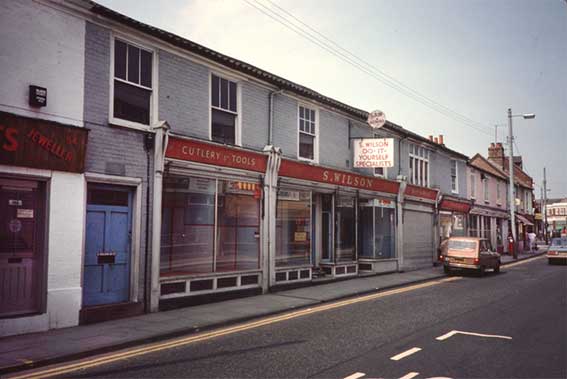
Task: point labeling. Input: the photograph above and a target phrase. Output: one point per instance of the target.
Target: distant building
(556, 215)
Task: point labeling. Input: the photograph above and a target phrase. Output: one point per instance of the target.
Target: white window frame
(316, 135)
(238, 121)
(473, 185)
(485, 189)
(422, 155)
(498, 193)
(456, 189)
(155, 80)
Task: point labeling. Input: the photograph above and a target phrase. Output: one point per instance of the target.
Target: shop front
(211, 228)
(320, 232)
(489, 223)
(41, 228)
(419, 232)
(453, 215)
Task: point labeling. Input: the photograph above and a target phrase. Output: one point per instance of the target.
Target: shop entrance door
(327, 227)
(21, 246)
(107, 252)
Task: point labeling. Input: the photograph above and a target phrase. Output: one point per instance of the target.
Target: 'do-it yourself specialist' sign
(374, 152)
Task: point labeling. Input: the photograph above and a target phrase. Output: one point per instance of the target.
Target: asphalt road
(524, 309)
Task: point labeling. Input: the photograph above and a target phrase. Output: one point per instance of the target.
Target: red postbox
(511, 248)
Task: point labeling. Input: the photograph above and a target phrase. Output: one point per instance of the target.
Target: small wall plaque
(38, 96)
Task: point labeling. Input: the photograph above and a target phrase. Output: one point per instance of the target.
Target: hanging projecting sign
(376, 119)
(374, 152)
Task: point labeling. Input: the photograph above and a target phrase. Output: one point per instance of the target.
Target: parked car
(471, 253)
(557, 251)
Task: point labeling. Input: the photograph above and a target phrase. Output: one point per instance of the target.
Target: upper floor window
(307, 133)
(473, 186)
(132, 84)
(224, 113)
(454, 182)
(380, 171)
(419, 165)
(485, 189)
(498, 192)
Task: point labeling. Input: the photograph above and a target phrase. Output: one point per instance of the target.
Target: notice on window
(300, 236)
(374, 152)
(24, 213)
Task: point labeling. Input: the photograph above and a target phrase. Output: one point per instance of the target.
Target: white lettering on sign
(374, 152)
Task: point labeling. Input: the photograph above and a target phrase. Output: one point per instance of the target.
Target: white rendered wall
(65, 241)
(45, 47)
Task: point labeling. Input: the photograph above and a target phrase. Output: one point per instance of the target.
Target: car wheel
(497, 269)
(481, 271)
(447, 270)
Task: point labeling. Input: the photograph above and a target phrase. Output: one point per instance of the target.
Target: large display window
(376, 230)
(293, 228)
(209, 225)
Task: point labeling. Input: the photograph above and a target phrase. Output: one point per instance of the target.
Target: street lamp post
(512, 202)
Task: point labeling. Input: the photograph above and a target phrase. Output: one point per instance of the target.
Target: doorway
(108, 245)
(22, 230)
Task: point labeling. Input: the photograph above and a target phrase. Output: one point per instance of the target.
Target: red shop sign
(421, 192)
(457, 206)
(292, 169)
(31, 142)
(202, 152)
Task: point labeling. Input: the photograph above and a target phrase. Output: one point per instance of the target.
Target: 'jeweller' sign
(374, 152)
(36, 143)
(202, 152)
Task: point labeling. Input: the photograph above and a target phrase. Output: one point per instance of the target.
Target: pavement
(27, 351)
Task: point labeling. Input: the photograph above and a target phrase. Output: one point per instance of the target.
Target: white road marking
(410, 375)
(356, 375)
(453, 332)
(405, 353)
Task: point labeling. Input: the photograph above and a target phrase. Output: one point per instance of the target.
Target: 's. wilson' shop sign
(374, 152)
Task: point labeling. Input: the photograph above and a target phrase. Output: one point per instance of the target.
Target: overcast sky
(475, 57)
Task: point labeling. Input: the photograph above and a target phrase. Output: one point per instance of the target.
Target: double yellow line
(114, 357)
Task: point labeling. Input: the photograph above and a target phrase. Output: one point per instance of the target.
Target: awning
(524, 220)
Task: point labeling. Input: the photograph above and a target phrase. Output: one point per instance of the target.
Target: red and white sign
(292, 169)
(374, 152)
(376, 119)
(202, 152)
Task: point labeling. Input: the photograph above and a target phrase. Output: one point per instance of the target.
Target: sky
(470, 60)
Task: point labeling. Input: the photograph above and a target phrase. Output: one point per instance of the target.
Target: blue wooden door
(107, 259)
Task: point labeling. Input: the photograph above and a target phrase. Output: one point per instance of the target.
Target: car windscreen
(462, 245)
(559, 242)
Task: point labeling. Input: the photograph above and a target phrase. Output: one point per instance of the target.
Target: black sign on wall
(38, 96)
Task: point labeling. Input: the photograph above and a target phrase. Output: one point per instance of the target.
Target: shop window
(376, 231)
(345, 229)
(293, 228)
(132, 83)
(196, 212)
(307, 133)
(224, 111)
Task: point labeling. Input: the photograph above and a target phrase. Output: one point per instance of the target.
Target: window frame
(419, 168)
(316, 135)
(153, 117)
(485, 189)
(473, 185)
(238, 114)
(456, 189)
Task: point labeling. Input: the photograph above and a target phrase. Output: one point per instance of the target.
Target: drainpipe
(267, 237)
(271, 115)
(160, 147)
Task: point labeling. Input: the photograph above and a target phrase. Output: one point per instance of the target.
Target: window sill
(307, 160)
(456, 192)
(129, 124)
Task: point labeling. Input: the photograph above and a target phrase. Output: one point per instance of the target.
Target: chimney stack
(431, 138)
(441, 139)
(496, 153)
(435, 140)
